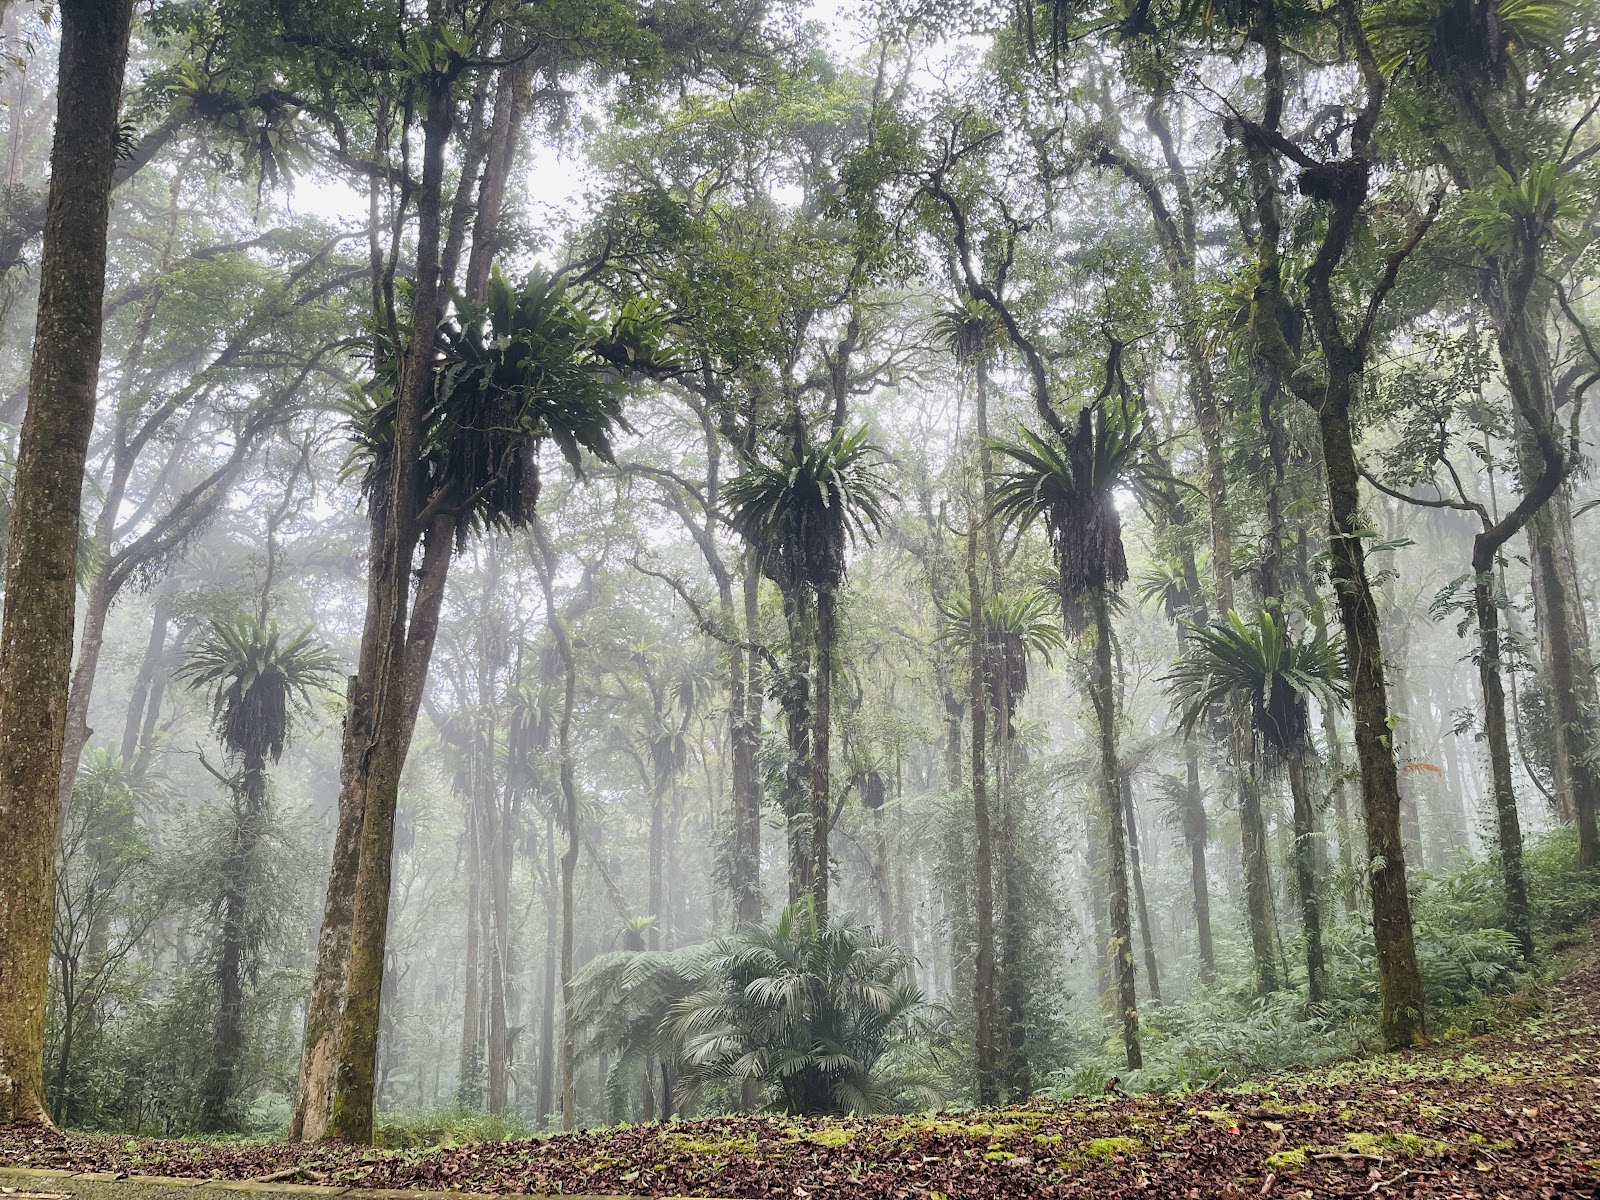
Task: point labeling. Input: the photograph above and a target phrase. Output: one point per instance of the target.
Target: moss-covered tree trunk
(795, 699)
(1399, 979)
(42, 553)
(820, 782)
(379, 756)
(1103, 694)
(1302, 791)
(1257, 871)
(983, 979)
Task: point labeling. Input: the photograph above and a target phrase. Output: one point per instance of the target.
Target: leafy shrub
(1208, 1038)
(1565, 899)
(424, 1128)
(809, 1012)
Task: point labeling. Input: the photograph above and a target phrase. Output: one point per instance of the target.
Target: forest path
(1515, 1113)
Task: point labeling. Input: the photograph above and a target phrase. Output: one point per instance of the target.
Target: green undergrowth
(1220, 1039)
(418, 1129)
(1473, 975)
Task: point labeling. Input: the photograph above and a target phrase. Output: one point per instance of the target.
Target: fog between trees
(988, 549)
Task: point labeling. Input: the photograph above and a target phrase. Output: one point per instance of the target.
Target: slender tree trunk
(1399, 979)
(469, 1082)
(749, 905)
(569, 823)
(41, 556)
(1015, 1077)
(1146, 934)
(821, 780)
(1103, 693)
(1343, 358)
(545, 1088)
(1570, 679)
(744, 865)
(796, 700)
(500, 973)
(249, 817)
(1303, 793)
(1513, 877)
(143, 682)
(656, 851)
(983, 975)
(1194, 833)
(91, 639)
(1257, 872)
(382, 758)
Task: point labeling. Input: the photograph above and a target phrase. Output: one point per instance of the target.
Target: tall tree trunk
(41, 566)
(1130, 820)
(796, 701)
(1344, 355)
(1257, 871)
(1567, 671)
(545, 560)
(744, 705)
(1508, 825)
(754, 700)
(143, 682)
(469, 1079)
(821, 779)
(1103, 693)
(1303, 794)
(380, 753)
(544, 1100)
(983, 975)
(1399, 979)
(1195, 836)
(500, 965)
(249, 817)
(657, 849)
(1015, 1077)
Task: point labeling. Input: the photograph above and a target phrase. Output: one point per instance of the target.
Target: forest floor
(1510, 1113)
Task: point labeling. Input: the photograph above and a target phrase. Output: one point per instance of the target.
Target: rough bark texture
(1301, 789)
(1344, 353)
(382, 757)
(1257, 878)
(983, 1000)
(36, 639)
(1562, 637)
(796, 703)
(821, 781)
(1103, 694)
(1399, 980)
